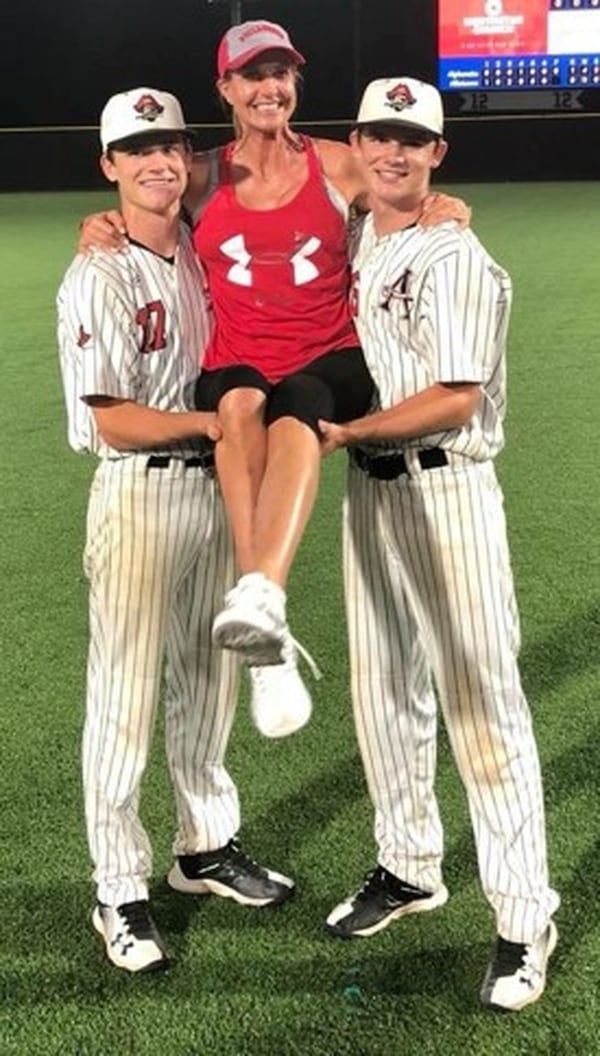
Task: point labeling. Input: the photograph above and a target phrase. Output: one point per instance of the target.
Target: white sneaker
(131, 936)
(280, 702)
(253, 620)
(516, 975)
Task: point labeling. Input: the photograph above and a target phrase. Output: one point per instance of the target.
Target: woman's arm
(199, 180)
(343, 171)
(104, 230)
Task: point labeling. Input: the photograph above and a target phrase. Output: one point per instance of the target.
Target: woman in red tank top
(272, 240)
(270, 232)
(284, 354)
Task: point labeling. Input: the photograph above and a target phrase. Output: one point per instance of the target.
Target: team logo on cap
(148, 108)
(399, 97)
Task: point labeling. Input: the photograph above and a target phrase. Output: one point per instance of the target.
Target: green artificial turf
(269, 982)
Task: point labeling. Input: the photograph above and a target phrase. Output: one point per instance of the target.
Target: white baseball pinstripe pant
(158, 559)
(429, 589)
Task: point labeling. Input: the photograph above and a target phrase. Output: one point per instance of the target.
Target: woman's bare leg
(241, 458)
(286, 496)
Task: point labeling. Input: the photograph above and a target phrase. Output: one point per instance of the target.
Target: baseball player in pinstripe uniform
(158, 554)
(429, 590)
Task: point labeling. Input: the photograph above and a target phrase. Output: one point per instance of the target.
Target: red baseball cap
(241, 44)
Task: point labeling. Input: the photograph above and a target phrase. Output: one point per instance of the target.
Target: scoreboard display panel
(514, 46)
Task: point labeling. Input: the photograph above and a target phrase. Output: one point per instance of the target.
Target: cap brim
(148, 137)
(401, 126)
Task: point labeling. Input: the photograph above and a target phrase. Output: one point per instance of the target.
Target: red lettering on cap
(260, 27)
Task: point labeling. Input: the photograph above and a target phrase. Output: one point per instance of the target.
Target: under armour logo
(304, 269)
(123, 942)
(235, 249)
(240, 272)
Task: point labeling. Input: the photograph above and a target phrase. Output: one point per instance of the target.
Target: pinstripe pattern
(158, 557)
(450, 326)
(98, 302)
(429, 589)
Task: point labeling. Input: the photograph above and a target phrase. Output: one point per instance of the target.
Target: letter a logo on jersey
(235, 249)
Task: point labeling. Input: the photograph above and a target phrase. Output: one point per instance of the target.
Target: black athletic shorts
(336, 386)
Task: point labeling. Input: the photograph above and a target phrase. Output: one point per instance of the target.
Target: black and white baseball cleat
(516, 975)
(382, 898)
(230, 873)
(131, 936)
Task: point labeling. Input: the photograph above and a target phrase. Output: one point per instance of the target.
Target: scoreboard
(513, 47)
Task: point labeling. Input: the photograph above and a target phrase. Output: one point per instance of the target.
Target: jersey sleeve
(465, 304)
(97, 332)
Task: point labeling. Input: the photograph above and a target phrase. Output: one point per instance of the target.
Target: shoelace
(136, 918)
(374, 881)
(237, 856)
(512, 957)
(304, 653)
(379, 879)
(290, 646)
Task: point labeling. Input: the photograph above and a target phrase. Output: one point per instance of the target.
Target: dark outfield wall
(54, 82)
(555, 148)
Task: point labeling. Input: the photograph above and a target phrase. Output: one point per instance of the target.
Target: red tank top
(278, 278)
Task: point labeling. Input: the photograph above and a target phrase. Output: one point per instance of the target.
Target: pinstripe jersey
(428, 583)
(158, 558)
(131, 326)
(434, 307)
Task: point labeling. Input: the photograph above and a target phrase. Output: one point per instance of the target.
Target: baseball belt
(205, 461)
(388, 467)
